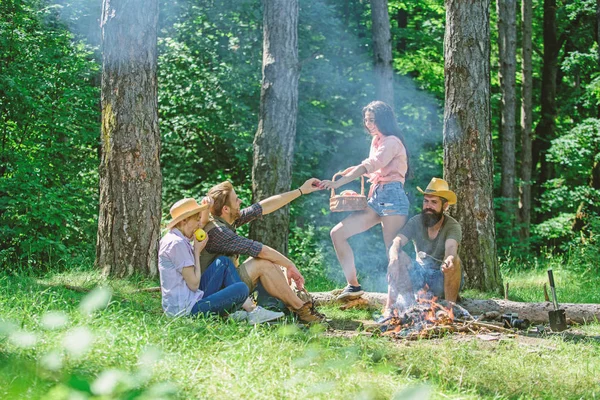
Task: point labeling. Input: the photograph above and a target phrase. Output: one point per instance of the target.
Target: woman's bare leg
(391, 225)
(355, 223)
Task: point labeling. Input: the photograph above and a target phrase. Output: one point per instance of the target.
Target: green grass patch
(56, 343)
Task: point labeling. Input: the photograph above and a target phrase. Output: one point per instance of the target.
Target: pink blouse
(387, 160)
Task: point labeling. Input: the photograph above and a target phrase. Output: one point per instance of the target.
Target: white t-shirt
(175, 253)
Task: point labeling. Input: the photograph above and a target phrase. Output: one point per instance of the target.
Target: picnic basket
(348, 203)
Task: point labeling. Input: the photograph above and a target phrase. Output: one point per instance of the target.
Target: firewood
(537, 313)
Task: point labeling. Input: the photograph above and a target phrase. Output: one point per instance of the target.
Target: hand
(294, 275)
(326, 184)
(311, 185)
(448, 265)
(199, 246)
(208, 200)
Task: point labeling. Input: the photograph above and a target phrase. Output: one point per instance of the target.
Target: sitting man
(185, 290)
(436, 237)
(264, 264)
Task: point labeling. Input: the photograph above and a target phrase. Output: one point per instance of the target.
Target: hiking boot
(238, 316)
(307, 314)
(351, 292)
(260, 315)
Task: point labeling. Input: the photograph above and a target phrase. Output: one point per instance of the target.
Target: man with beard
(436, 237)
(262, 271)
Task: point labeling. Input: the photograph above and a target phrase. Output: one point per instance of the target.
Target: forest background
(209, 70)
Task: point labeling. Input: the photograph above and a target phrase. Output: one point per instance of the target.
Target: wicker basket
(348, 203)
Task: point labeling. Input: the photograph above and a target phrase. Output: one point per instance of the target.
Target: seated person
(436, 237)
(185, 289)
(265, 264)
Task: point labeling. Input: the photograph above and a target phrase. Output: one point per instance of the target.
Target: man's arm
(268, 253)
(397, 244)
(277, 201)
(192, 274)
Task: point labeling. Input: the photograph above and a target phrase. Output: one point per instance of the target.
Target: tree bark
(130, 176)
(468, 139)
(545, 129)
(537, 313)
(402, 20)
(382, 52)
(507, 47)
(526, 118)
(274, 140)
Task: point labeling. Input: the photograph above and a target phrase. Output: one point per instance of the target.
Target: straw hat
(184, 208)
(439, 187)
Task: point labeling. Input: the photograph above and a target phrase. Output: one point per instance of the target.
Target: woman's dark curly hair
(385, 120)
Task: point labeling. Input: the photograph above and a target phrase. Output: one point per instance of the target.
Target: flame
(428, 312)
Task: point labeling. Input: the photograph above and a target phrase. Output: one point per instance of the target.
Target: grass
(135, 351)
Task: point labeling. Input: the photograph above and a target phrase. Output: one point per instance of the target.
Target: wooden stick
(546, 297)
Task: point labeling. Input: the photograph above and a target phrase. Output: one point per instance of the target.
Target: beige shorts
(246, 278)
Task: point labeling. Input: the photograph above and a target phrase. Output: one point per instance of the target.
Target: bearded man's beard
(430, 217)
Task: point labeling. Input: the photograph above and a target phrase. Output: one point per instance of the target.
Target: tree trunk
(402, 20)
(546, 127)
(130, 176)
(382, 52)
(468, 139)
(507, 47)
(526, 116)
(598, 37)
(274, 140)
(537, 313)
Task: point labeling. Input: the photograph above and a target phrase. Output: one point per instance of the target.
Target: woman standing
(387, 167)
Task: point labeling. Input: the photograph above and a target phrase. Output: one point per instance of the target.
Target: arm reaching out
(350, 174)
(277, 201)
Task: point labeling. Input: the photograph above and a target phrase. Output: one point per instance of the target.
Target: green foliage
(48, 134)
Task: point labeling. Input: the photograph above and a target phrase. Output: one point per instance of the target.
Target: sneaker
(260, 315)
(238, 316)
(308, 314)
(351, 292)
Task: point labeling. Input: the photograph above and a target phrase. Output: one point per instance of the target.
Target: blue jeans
(223, 289)
(431, 276)
(389, 199)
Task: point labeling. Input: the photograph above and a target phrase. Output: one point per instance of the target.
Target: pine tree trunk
(468, 140)
(507, 46)
(526, 117)
(545, 129)
(402, 20)
(274, 140)
(382, 51)
(130, 176)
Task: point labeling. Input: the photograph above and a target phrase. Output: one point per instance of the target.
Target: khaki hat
(439, 187)
(184, 208)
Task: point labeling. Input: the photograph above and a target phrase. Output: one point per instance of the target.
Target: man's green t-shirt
(435, 249)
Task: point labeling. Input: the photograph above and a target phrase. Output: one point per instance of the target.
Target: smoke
(340, 75)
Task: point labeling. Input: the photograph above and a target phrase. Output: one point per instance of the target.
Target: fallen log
(537, 313)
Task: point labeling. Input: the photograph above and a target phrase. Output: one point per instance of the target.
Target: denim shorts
(432, 277)
(389, 199)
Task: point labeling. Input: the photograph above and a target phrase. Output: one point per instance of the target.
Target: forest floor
(115, 343)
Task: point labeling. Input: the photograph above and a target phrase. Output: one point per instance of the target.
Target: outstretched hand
(327, 184)
(310, 186)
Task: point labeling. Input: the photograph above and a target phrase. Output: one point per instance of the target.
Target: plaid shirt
(222, 240)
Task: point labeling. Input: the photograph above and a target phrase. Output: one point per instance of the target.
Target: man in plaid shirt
(264, 264)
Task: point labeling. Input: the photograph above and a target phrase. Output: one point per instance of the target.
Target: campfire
(430, 318)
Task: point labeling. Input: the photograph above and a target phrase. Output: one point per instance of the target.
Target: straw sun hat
(184, 208)
(439, 187)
